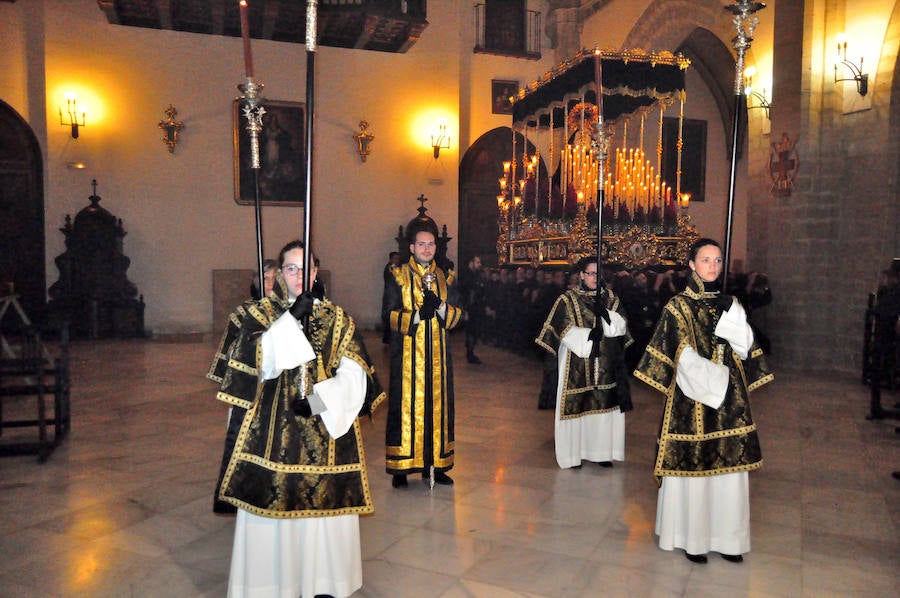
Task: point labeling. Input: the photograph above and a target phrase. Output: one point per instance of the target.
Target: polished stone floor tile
(123, 507)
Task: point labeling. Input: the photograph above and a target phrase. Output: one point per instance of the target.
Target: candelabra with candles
(508, 201)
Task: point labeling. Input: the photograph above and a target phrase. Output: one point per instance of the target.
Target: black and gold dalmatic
(697, 440)
(419, 430)
(284, 465)
(589, 385)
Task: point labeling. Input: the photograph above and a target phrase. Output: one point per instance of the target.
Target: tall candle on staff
(245, 35)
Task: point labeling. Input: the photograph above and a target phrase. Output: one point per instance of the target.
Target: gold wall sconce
(364, 140)
(763, 102)
(70, 119)
(171, 127)
(440, 140)
(861, 78)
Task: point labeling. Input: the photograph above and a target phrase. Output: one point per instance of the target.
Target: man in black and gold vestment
(296, 373)
(423, 304)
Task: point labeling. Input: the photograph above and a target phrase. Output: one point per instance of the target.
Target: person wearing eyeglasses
(295, 371)
(592, 393)
(703, 358)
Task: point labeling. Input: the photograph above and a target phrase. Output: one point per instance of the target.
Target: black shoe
(399, 481)
(605, 463)
(695, 558)
(473, 359)
(733, 558)
(442, 478)
(896, 475)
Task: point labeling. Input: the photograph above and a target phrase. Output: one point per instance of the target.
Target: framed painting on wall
(500, 93)
(282, 171)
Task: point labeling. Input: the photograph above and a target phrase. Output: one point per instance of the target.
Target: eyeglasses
(292, 269)
(589, 273)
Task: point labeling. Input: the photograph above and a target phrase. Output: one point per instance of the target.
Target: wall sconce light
(71, 118)
(363, 140)
(685, 201)
(440, 140)
(764, 103)
(171, 127)
(861, 78)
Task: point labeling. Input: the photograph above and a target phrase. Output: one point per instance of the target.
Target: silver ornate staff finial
(428, 280)
(744, 24)
(252, 107)
(311, 24)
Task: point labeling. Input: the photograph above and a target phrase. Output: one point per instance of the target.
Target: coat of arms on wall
(783, 165)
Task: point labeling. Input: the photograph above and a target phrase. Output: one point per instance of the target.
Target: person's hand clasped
(430, 304)
(302, 306)
(596, 335)
(603, 314)
(723, 301)
(301, 407)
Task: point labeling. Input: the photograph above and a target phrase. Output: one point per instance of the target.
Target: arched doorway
(479, 171)
(22, 212)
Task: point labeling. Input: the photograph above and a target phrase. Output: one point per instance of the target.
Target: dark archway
(479, 172)
(22, 212)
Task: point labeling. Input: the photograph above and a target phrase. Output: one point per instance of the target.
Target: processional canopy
(632, 80)
(556, 220)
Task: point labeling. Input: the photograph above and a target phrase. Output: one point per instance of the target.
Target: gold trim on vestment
(233, 400)
(418, 339)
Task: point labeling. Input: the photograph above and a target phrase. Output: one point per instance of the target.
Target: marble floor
(123, 507)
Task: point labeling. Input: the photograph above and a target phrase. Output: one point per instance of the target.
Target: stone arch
(479, 171)
(22, 239)
(701, 30)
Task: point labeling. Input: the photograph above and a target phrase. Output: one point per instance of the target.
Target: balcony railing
(510, 34)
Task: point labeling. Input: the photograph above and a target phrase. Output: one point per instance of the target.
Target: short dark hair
(582, 264)
(699, 244)
(295, 244)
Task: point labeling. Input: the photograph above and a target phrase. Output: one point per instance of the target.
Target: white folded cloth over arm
(343, 395)
(733, 327)
(617, 325)
(700, 379)
(577, 341)
(284, 347)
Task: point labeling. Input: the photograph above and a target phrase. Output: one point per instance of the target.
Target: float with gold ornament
(602, 184)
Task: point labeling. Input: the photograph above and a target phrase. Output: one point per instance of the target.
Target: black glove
(301, 407)
(723, 301)
(430, 303)
(596, 335)
(318, 290)
(302, 306)
(603, 314)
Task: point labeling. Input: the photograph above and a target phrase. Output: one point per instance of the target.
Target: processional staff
(742, 11)
(311, 24)
(600, 145)
(252, 107)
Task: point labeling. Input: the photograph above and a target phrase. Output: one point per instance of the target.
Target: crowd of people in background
(517, 300)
